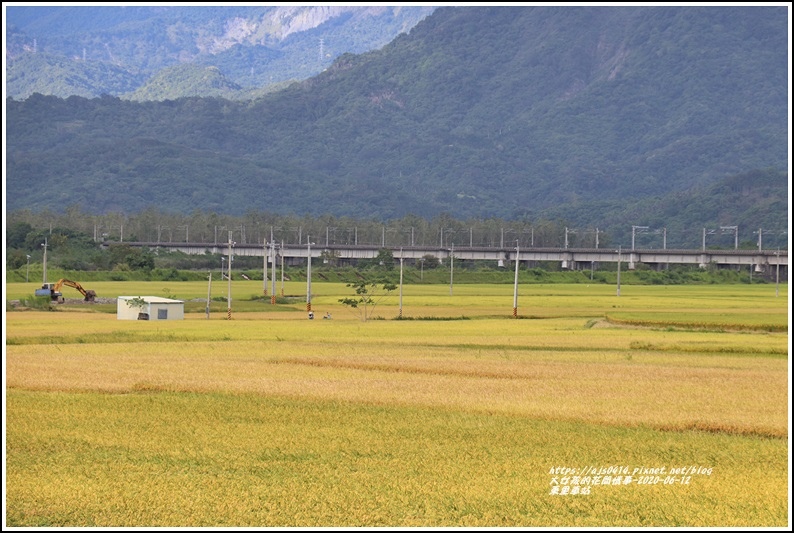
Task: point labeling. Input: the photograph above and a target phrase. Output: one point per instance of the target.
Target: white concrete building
(154, 308)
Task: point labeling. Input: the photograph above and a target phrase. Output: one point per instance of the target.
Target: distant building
(154, 308)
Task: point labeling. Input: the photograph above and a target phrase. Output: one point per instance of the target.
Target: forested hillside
(594, 114)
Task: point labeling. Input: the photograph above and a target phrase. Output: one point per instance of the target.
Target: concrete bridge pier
(568, 262)
(586, 265)
(632, 261)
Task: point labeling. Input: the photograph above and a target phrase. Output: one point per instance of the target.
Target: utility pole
(308, 276)
(567, 231)
(633, 231)
(209, 293)
(216, 234)
(229, 277)
(45, 260)
(777, 274)
(767, 232)
(735, 231)
(400, 314)
(272, 269)
(619, 259)
(707, 232)
(273, 272)
(515, 287)
(451, 266)
(265, 256)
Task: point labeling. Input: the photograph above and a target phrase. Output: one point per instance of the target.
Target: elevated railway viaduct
(568, 258)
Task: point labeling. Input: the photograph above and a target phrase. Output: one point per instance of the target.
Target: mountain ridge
(274, 44)
(476, 112)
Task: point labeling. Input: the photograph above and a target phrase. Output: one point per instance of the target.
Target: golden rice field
(665, 406)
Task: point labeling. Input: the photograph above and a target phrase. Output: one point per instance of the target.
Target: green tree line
(77, 240)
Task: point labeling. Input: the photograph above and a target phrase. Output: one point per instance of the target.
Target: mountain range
(166, 52)
(591, 114)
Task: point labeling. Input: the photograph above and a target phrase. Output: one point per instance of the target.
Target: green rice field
(664, 406)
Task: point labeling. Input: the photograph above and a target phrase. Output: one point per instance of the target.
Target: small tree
(383, 261)
(368, 294)
(430, 261)
(137, 303)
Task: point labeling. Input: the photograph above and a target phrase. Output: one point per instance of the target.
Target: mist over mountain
(123, 51)
(593, 114)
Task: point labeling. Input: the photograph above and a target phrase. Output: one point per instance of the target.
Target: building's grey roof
(153, 299)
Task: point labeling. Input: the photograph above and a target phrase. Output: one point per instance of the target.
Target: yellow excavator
(53, 290)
